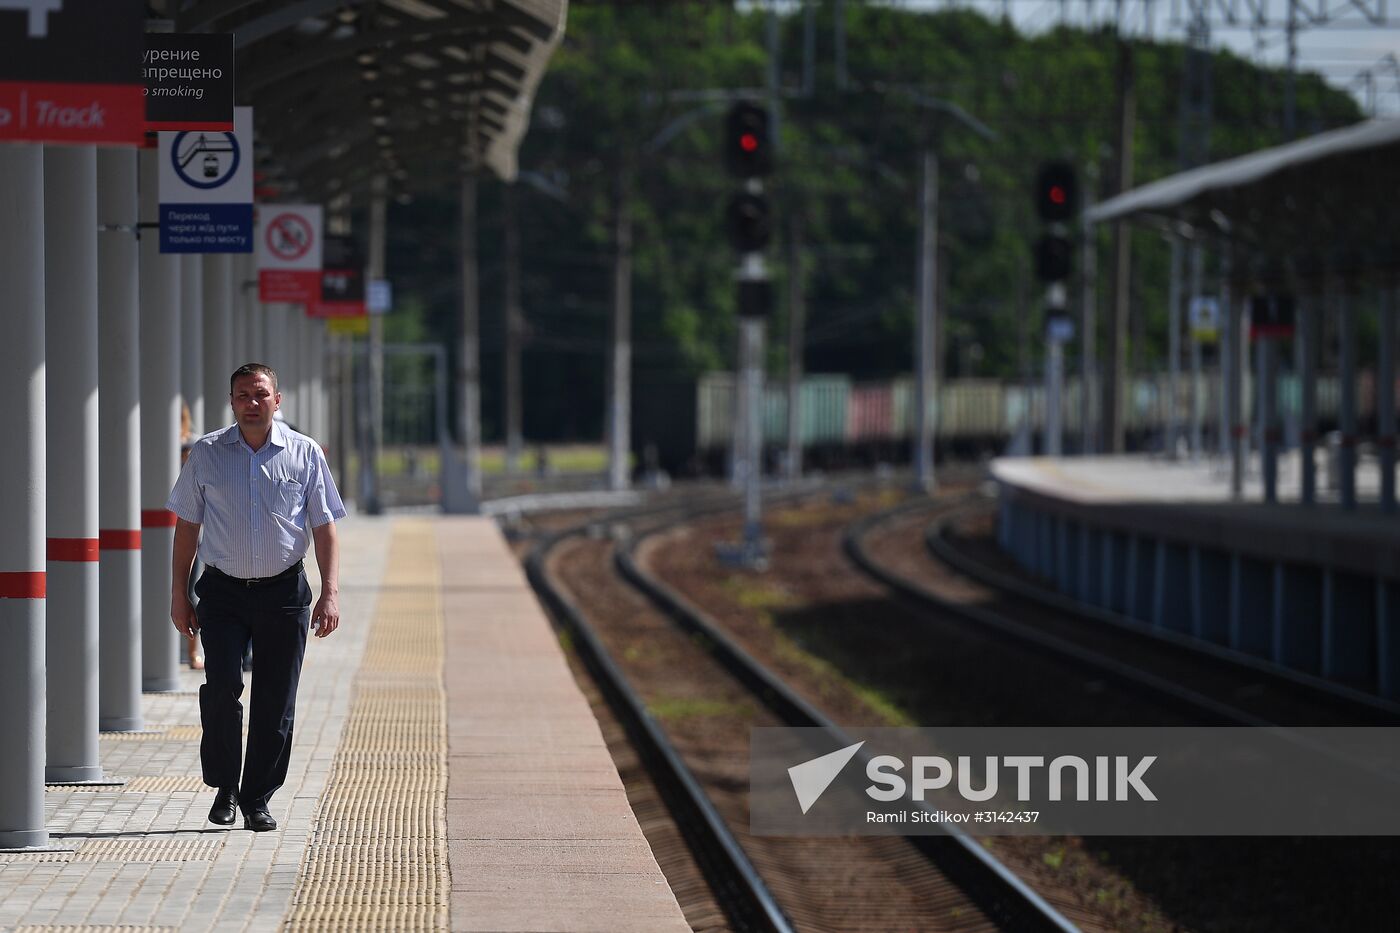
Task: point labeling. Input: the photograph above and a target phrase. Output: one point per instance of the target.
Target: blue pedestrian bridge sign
(206, 189)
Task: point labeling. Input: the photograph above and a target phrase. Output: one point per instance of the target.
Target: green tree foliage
(632, 108)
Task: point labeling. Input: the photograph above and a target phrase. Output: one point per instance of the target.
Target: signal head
(1056, 191)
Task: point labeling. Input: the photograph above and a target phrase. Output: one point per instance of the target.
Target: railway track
(1205, 684)
(655, 653)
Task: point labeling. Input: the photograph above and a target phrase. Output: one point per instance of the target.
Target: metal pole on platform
(118, 448)
(1054, 380)
(1385, 397)
(620, 357)
(1233, 427)
(796, 340)
(160, 439)
(752, 328)
(378, 220)
(1088, 325)
(70, 291)
(924, 348)
(1268, 429)
(218, 337)
(469, 363)
(192, 338)
(1197, 389)
(1174, 345)
(22, 580)
(515, 332)
(1305, 353)
(1346, 334)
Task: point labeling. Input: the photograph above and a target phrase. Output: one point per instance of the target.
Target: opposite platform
(1312, 590)
(447, 773)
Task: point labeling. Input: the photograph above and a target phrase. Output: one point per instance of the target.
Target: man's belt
(291, 571)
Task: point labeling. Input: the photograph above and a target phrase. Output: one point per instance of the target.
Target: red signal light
(1057, 195)
(748, 142)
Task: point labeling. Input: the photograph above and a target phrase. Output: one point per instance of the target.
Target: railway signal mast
(1056, 198)
(748, 155)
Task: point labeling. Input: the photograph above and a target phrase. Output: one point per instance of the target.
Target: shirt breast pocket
(286, 499)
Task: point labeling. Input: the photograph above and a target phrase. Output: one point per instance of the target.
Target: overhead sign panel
(189, 81)
(206, 189)
(70, 71)
(342, 280)
(289, 253)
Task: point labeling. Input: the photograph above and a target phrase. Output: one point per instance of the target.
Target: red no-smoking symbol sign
(289, 236)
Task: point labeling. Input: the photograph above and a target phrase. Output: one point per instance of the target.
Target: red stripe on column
(76, 549)
(22, 586)
(157, 518)
(119, 539)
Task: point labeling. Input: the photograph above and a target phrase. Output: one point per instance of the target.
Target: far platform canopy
(1328, 198)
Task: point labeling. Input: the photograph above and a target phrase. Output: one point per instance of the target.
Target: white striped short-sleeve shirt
(257, 508)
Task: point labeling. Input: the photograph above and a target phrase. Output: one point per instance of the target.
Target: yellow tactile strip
(93, 928)
(377, 858)
(149, 849)
(156, 734)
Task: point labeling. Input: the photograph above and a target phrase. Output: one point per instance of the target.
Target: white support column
(305, 379)
(70, 290)
(192, 338)
(247, 312)
(218, 339)
(288, 364)
(318, 372)
(254, 319)
(22, 580)
(118, 449)
(274, 341)
(160, 436)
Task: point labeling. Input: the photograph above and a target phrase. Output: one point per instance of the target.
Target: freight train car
(686, 426)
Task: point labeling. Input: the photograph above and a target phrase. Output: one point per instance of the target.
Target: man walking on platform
(260, 491)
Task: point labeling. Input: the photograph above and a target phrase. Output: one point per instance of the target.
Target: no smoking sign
(289, 237)
(289, 253)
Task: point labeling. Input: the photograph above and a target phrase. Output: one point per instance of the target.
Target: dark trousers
(273, 617)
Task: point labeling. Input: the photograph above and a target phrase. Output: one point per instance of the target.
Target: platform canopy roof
(420, 91)
(1329, 195)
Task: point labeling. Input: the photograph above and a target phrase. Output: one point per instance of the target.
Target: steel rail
(1133, 678)
(1381, 711)
(737, 885)
(994, 887)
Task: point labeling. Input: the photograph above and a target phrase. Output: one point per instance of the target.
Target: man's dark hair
(253, 369)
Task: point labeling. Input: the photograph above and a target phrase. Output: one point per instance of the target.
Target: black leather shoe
(259, 821)
(225, 806)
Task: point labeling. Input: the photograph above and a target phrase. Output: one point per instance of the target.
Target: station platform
(447, 773)
(1312, 588)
